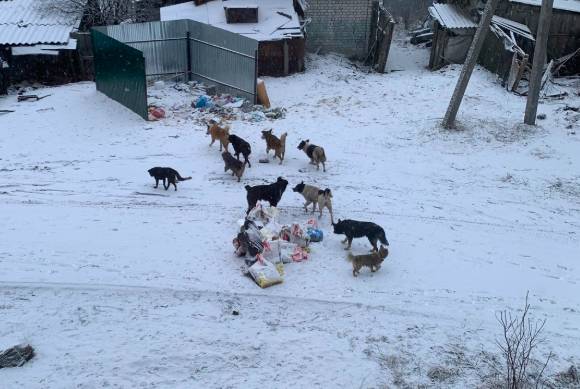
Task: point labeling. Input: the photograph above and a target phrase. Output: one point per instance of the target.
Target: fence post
(470, 61)
(538, 63)
(188, 50)
(256, 77)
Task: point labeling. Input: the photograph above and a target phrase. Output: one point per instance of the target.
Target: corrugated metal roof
(450, 16)
(565, 5)
(27, 22)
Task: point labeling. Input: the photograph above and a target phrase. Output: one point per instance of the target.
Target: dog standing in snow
(372, 260)
(356, 229)
(166, 174)
(315, 196)
(273, 143)
(216, 131)
(237, 167)
(315, 153)
(271, 193)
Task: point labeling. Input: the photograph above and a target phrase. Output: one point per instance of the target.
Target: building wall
(340, 26)
(271, 57)
(564, 35)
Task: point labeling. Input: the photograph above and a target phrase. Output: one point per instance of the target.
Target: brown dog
(372, 261)
(216, 131)
(273, 143)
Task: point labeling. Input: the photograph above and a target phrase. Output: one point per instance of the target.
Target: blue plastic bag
(315, 234)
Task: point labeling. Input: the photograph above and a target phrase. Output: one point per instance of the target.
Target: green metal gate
(120, 72)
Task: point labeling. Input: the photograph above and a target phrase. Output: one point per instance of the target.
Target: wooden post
(286, 58)
(470, 61)
(188, 53)
(539, 61)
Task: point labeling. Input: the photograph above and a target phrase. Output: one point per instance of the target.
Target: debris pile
(205, 103)
(267, 245)
(16, 356)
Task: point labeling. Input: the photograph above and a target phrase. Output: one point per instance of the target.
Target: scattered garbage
(269, 245)
(31, 97)
(155, 113)
(202, 102)
(205, 103)
(16, 356)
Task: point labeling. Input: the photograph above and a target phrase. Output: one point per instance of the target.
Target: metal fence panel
(163, 45)
(223, 58)
(222, 38)
(183, 50)
(120, 72)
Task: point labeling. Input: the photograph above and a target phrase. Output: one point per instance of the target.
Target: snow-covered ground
(117, 284)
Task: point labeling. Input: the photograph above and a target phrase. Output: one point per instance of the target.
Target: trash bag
(314, 234)
(265, 273)
(203, 102)
(278, 251)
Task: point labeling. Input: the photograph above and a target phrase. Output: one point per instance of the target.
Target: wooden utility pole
(470, 61)
(539, 61)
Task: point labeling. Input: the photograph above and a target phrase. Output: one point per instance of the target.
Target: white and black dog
(315, 153)
(315, 196)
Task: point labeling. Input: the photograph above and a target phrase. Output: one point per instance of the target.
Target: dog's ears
(307, 140)
(339, 220)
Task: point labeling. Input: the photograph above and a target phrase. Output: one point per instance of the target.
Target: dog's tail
(383, 238)
(283, 139)
(350, 257)
(322, 155)
(179, 178)
(248, 187)
(327, 193)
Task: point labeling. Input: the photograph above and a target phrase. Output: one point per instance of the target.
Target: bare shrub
(521, 336)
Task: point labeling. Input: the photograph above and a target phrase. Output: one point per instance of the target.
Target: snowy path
(121, 284)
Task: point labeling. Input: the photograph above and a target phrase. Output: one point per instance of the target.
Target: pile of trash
(267, 245)
(206, 102)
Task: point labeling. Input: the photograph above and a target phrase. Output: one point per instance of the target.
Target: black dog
(355, 229)
(241, 147)
(271, 193)
(166, 173)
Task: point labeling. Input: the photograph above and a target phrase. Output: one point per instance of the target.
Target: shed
(505, 49)
(36, 45)
(564, 36)
(274, 23)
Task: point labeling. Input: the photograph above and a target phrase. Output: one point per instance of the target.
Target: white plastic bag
(265, 273)
(279, 251)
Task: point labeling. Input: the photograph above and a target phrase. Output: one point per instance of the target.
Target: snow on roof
(277, 19)
(26, 22)
(450, 16)
(453, 17)
(565, 5)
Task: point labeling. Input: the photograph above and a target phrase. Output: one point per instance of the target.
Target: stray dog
(355, 229)
(271, 193)
(315, 196)
(241, 147)
(372, 260)
(273, 143)
(217, 132)
(166, 173)
(315, 153)
(237, 167)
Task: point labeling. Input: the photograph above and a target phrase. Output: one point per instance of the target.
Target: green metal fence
(120, 72)
(128, 56)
